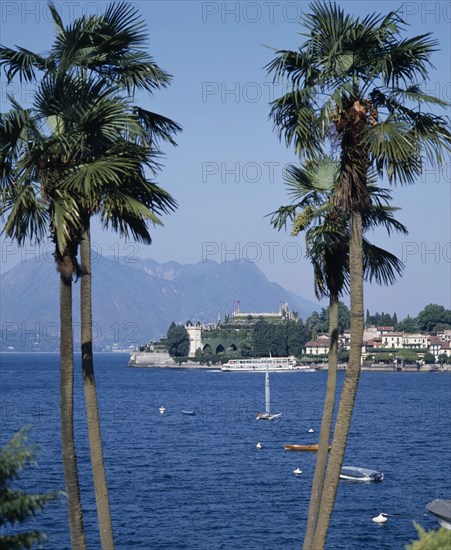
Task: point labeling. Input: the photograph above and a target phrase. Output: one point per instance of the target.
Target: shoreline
(191, 366)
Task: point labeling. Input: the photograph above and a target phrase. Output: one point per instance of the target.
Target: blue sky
(226, 172)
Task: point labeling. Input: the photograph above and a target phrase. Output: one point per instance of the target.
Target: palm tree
(355, 87)
(129, 205)
(312, 189)
(112, 142)
(33, 206)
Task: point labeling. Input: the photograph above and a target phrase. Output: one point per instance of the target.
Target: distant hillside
(133, 301)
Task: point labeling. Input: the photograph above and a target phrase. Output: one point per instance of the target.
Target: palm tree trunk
(92, 409)
(350, 385)
(75, 512)
(326, 426)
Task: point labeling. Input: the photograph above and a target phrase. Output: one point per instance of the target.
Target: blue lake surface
(198, 482)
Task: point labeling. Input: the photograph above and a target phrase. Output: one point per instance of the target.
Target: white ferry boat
(272, 364)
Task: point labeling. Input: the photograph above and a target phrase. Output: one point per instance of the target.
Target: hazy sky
(226, 172)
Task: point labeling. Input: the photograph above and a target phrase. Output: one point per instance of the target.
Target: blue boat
(189, 413)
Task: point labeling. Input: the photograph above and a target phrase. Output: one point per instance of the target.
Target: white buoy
(162, 410)
(297, 472)
(259, 445)
(381, 518)
(310, 430)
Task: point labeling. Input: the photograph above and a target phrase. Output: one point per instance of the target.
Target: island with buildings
(282, 333)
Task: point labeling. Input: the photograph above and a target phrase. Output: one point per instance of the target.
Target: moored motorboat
(354, 473)
(189, 413)
(313, 447)
(441, 509)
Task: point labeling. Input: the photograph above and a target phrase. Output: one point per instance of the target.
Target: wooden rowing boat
(313, 447)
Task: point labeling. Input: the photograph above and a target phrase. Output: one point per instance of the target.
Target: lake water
(198, 482)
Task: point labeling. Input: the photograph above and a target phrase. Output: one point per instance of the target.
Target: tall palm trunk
(92, 409)
(350, 385)
(75, 512)
(326, 425)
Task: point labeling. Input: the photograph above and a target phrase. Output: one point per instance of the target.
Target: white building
(415, 341)
(317, 348)
(392, 340)
(445, 334)
(195, 337)
(437, 347)
(283, 313)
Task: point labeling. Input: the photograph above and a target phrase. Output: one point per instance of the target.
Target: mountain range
(133, 301)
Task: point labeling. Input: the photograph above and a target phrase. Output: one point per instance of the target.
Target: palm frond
(394, 152)
(415, 94)
(380, 265)
(21, 62)
(294, 67)
(382, 215)
(25, 214)
(57, 21)
(126, 225)
(295, 120)
(405, 61)
(157, 126)
(64, 220)
(88, 179)
(281, 216)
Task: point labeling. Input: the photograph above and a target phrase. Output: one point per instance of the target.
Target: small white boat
(381, 518)
(353, 473)
(310, 430)
(162, 409)
(441, 509)
(297, 472)
(259, 446)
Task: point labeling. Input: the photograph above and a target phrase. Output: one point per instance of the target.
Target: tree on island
(352, 85)
(278, 339)
(428, 358)
(433, 315)
(381, 319)
(245, 348)
(177, 341)
(409, 324)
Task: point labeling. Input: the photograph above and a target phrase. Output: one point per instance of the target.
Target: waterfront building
(415, 341)
(195, 337)
(437, 347)
(392, 340)
(320, 347)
